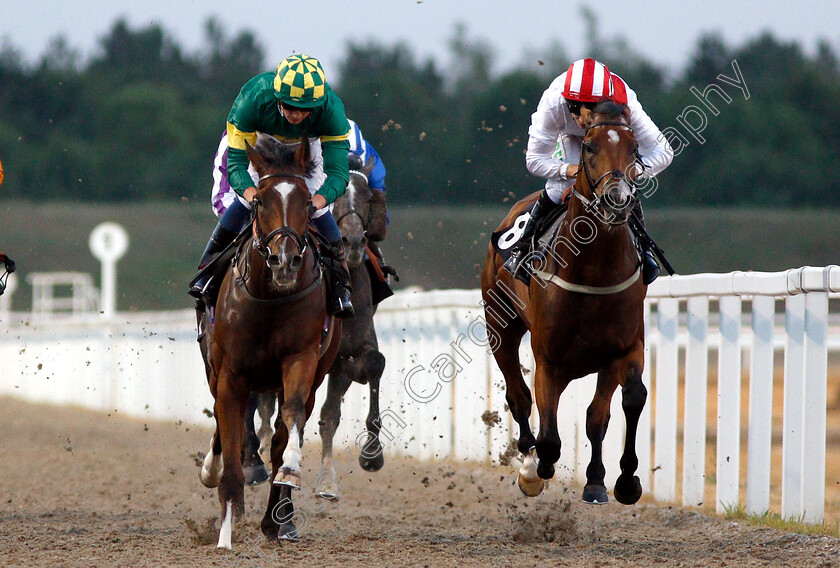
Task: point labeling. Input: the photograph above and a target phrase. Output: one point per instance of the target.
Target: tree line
(755, 124)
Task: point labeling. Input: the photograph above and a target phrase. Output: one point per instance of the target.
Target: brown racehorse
(584, 309)
(269, 337)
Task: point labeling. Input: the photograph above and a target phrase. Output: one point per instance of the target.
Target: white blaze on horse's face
(613, 137)
(285, 189)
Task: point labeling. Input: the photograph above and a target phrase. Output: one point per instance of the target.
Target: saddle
(505, 238)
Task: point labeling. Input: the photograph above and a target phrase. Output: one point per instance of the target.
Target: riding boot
(219, 240)
(380, 289)
(339, 304)
(386, 269)
(650, 268)
(540, 211)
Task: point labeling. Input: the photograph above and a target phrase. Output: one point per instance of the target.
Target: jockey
(294, 101)
(360, 152)
(555, 138)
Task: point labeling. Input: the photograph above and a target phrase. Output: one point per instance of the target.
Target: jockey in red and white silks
(554, 137)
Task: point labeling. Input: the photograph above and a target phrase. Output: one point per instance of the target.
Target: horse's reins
(261, 243)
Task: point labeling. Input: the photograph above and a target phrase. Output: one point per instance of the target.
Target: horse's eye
(588, 148)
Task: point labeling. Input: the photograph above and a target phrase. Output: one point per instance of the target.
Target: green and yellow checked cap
(300, 82)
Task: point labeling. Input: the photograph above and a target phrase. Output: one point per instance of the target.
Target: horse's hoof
(545, 470)
(595, 494)
(628, 490)
(211, 470)
(530, 487)
(255, 474)
(287, 531)
(327, 495)
(288, 477)
(373, 464)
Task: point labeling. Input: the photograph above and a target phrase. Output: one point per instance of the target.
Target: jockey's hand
(572, 171)
(319, 201)
(249, 193)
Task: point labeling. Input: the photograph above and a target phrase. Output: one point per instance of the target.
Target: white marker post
(108, 243)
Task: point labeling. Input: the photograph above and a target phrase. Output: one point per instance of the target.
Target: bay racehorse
(584, 309)
(271, 334)
(359, 359)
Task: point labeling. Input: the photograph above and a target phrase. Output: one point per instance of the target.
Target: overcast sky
(663, 31)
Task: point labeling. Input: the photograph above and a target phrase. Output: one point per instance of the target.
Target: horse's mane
(610, 109)
(279, 154)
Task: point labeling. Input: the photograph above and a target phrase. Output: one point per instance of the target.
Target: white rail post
(729, 404)
(792, 411)
(814, 406)
(761, 405)
(696, 393)
(108, 243)
(665, 432)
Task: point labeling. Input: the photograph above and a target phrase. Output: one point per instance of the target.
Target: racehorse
(584, 309)
(271, 334)
(358, 359)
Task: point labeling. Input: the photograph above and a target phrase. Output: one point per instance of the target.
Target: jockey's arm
(654, 148)
(547, 123)
(336, 170)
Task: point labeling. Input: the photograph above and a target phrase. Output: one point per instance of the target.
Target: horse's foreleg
(231, 405)
(337, 385)
(597, 421)
(211, 470)
(370, 457)
(628, 487)
(277, 521)
(298, 376)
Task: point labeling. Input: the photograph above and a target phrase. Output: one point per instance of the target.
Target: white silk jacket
(554, 139)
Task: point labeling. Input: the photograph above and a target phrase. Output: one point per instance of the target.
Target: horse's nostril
(274, 261)
(297, 262)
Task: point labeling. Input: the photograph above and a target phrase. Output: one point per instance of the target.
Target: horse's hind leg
(265, 408)
(231, 405)
(371, 458)
(628, 487)
(597, 421)
(337, 385)
(253, 466)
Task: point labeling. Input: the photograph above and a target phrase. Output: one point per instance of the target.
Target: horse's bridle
(595, 202)
(261, 243)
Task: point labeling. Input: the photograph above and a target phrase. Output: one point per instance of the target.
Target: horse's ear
(368, 166)
(255, 158)
(302, 154)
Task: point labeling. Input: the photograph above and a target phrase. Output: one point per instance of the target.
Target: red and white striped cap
(587, 81)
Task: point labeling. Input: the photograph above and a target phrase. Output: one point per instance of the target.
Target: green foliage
(141, 119)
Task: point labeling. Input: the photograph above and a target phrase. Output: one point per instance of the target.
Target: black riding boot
(219, 240)
(541, 209)
(650, 268)
(339, 303)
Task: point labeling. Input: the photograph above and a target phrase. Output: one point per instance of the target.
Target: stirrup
(650, 268)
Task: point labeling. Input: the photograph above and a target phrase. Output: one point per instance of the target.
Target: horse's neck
(586, 243)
